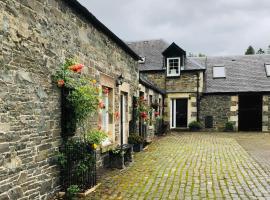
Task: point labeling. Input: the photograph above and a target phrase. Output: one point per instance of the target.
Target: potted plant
(137, 142)
(95, 137)
(229, 127)
(195, 126)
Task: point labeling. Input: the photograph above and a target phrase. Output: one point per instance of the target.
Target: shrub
(72, 192)
(229, 126)
(195, 126)
(135, 139)
(95, 137)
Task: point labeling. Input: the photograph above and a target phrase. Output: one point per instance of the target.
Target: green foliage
(135, 139)
(63, 73)
(84, 99)
(62, 159)
(72, 191)
(250, 51)
(195, 126)
(83, 95)
(74, 151)
(229, 126)
(95, 136)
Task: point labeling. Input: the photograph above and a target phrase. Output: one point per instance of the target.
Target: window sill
(107, 147)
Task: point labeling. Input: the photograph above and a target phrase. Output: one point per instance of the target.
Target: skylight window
(219, 72)
(267, 69)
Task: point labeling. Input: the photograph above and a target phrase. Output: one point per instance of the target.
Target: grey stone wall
(156, 77)
(186, 83)
(35, 38)
(217, 106)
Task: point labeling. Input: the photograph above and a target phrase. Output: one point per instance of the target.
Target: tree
(260, 51)
(250, 50)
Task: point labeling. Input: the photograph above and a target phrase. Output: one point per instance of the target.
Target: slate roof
(144, 81)
(81, 10)
(152, 51)
(243, 74)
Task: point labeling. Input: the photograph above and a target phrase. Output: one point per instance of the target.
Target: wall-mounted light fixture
(119, 80)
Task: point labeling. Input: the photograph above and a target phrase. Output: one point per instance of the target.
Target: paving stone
(189, 166)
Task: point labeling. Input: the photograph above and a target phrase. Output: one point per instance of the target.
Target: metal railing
(80, 166)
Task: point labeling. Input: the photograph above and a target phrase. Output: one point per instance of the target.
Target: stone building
(212, 90)
(35, 39)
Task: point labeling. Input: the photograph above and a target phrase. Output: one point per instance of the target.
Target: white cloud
(213, 27)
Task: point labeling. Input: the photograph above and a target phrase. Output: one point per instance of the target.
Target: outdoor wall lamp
(119, 80)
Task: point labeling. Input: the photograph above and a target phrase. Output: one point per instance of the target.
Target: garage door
(250, 112)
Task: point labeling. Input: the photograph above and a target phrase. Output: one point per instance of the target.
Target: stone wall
(35, 38)
(218, 106)
(156, 77)
(265, 114)
(187, 82)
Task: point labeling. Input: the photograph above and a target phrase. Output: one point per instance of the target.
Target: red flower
(144, 115)
(76, 68)
(101, 104)
(106, 90)
(60, 83)
(156, 114)
(117, 115)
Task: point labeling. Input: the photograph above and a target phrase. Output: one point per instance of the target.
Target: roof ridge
(149, 40)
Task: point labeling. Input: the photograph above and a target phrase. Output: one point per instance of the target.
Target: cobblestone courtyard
(190, 166)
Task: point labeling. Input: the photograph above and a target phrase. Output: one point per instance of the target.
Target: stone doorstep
(81, 195)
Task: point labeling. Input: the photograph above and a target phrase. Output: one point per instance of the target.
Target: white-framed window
(267, 69)
(219, 72)
(173, 66)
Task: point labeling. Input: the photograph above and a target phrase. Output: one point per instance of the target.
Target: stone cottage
(212, 90)
(35, 39)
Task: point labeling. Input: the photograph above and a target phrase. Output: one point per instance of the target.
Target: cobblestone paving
(257, 145)
(189, 166)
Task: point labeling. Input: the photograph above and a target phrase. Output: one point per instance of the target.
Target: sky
(211, 27)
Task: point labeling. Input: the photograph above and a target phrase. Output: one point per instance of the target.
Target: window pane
(219, 72)
(267, 68)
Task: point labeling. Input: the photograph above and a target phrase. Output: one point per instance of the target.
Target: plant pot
(137, 147)
(117, 160)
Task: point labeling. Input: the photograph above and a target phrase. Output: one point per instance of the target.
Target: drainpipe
(197, 95)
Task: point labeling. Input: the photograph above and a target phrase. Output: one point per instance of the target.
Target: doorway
(123, 118)
(250, 112)
(179, 113)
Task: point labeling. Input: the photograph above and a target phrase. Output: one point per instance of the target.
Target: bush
(229, 127)
(195, 126)
(72, 191)
(135, 139)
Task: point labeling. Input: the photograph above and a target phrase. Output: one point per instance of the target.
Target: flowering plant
(82, 93)
(143, 108)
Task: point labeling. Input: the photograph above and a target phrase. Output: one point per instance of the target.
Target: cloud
(212, 27)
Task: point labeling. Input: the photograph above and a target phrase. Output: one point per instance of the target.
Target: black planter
(68, 118)
(137, 147)
(117, 160)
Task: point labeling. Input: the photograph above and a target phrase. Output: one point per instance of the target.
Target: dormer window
(267, 69)
(219, 72)
(173, 66)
